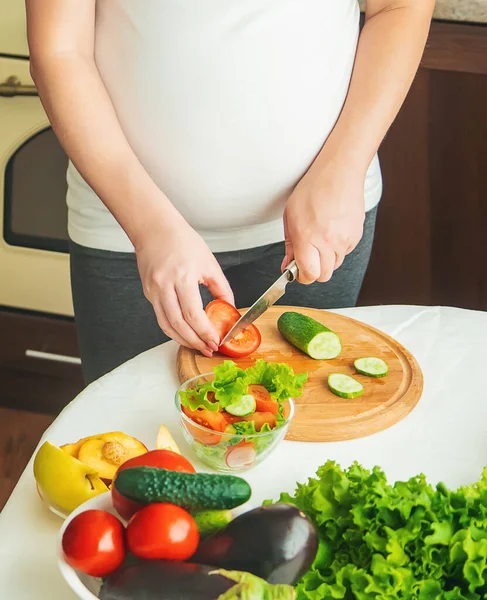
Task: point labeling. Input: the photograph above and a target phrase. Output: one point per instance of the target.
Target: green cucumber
(371, 366)
(212, 521)
(309, 336)
(344, 386)
(242, 407)
(192, 491)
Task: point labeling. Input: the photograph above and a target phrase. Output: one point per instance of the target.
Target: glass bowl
(228, 452)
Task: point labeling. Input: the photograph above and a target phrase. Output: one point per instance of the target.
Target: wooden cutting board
(320, 415)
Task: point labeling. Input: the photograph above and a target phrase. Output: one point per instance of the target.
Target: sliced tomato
(206, 418)
(243, 344)
(263, 400)
(223, 316)
(231, 419)
(261, 418)
(240, 456)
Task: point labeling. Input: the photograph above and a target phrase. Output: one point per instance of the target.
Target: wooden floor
(20, 432)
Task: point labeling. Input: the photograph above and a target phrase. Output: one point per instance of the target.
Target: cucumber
(242, 407)
(309, 336)
(192, 491)
(371, 366)
(344, 386)
(212, 521)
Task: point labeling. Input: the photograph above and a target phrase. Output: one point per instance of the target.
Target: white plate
(84, 586)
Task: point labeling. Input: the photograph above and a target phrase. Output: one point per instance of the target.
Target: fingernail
(213, 347)
(284, 263)
(207, 353)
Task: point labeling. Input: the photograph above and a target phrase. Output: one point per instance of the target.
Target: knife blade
(270, 297)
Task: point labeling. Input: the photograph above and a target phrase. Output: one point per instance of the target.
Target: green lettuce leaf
(248, 428)
(198, 398)
(230, 383)
(278, 378)
(407, 541)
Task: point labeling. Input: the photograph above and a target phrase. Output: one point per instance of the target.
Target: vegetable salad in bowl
(233, 418)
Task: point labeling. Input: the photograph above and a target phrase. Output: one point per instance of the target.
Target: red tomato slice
(94, 543)
(223, 316)
(231, 419)
(164, 459)
(263, 400)
(242, 455)
(211, 420)
(162, 531)
(261, 418)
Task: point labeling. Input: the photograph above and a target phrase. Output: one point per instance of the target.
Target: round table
(445, 437)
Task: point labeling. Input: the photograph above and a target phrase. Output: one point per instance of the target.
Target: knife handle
(292, 271)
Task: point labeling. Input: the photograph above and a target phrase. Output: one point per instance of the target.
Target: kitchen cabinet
(39, 364)
(431, 241)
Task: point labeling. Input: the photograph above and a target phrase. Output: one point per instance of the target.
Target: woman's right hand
(173, 261)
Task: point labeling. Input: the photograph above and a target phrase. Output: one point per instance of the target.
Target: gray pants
(115, 322)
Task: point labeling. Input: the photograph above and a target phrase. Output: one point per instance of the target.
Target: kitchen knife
(269, 298)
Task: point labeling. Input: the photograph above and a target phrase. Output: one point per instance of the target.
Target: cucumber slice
(309, 336)
(345, 386)
(243, 407)
(371, 366)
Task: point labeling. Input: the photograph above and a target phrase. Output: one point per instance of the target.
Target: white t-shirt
(226, 103)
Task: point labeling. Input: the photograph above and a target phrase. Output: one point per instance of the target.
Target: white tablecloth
(445, 437)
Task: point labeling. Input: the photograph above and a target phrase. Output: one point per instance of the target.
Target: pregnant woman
(210, 142)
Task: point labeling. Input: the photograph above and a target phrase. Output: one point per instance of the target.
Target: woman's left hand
(323, 222)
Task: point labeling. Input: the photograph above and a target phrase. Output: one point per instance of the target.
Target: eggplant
(174, 580)
(277, 542)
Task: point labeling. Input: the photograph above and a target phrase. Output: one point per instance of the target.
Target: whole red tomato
(94, 543)
(164, 459)
(162, 531)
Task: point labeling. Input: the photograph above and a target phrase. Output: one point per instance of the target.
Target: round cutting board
(320, 415)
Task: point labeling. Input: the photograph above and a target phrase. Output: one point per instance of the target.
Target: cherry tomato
(162, 531)
(223, 316)
(261, 418)
(206, 418)
(164, 459)
(94, 543)
(263, 400)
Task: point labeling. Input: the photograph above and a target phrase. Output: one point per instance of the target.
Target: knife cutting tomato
(223, 316)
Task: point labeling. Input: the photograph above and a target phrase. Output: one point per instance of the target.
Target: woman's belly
(227, 102)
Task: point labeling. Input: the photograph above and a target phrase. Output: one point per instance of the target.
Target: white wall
(13, 37)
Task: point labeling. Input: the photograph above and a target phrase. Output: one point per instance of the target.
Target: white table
(445, 437)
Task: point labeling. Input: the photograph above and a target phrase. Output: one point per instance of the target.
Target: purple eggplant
(173, 580)
(277, 542)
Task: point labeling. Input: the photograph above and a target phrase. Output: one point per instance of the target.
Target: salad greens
(407, 541)
(230, 383)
